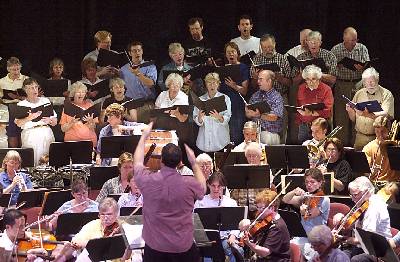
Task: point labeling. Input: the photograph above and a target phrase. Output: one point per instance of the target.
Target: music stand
(71, 223)
(115, 196)
(358, 161)
(216, 250)
(133, 234)
(33, 198)
(221, 218)
(62, 153)
(101, 249)
(232, 159)
(298, 181)
(376, 245)
(293, 223)
(247, 176)
(5, 200)
(394, 156)
(25, 153)
(394, 214)
(53, 200)
(114, 146)
(297, 156)
(100, 174)
(127, 211)
(276, 156)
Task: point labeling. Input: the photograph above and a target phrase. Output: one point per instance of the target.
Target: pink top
(79, 131)
(168, 200)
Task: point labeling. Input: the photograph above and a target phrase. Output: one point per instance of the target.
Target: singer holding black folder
(36, 134)
(76, 129)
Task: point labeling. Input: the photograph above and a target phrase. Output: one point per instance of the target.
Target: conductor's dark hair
(171, 155)
(11, 215)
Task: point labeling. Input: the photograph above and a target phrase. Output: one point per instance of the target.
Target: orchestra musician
(319, 127)
(133, 198)
(117, 185)
(334, 162)
(373, 214)
(314, 208)
(250, 133)
(37, 135)
(168, 197)
(80, 204)
(273, 238)
(11, 180)
(216, 183)
(321, 240)
(376, 152)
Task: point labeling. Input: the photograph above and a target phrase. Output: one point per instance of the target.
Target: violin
(111, 229)
(38, 238)
(355, 215)
(257, 227)
(312, 202)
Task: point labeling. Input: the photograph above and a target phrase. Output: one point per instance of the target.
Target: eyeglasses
(311, 80)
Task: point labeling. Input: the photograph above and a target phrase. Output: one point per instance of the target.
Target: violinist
(335, 162)
(371, 215)
(133, 198)
(13, 182)
(273, 238)
(80, 204)
(321, 239)
(314, 208)
(216, 183)
(107, 225)
(14, 222)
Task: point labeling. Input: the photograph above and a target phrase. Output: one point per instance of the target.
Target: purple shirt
(167, 208)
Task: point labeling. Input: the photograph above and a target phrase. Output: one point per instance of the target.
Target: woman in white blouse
(214, 128)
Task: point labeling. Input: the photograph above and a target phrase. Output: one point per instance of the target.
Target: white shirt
(296, 51)
(5, 242)
(41, 101)
(213, 135)
(163, 100)
(247, 45)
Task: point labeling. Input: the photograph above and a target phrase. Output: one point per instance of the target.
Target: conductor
(168, 203)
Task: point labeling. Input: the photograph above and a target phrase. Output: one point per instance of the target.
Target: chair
(336, 208)
(394, 231)
(295, 253)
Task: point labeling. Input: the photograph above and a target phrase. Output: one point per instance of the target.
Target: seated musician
(14, 222)
(376, 152)
(313, 210)
(253, 155)
(116, 127)
(11, 180)
(319, 127)
(216, 183)
(118, 185)
(133, 198)
(213, 129)
(74, 128)
(272, 243)
(107, 225)
(80, 204)
(334, 162)
(312, 91)
(250, 134)
(205, 163)
(117, 88)
(37, 135)
(373, 214)
(321, 239)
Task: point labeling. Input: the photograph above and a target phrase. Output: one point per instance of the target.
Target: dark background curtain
(37, 31)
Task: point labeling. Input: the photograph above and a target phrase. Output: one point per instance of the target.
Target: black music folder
(274, 67)
(100, 174)
(247, 176)
(311, 107)
(262, 106)
(79, 112)
(18, 92)
(247, 58)
(232, 71)
(102, 88)
(376, 245)
(350, 63)
(23, 111)
(71, 223)
(372, 106)
(25, 153)
(221, 218)
(114, 146)
(183, 109)
(101, 249)
(50, 87)
(53, 200)
(294, 62)
(215, 103)
(133, 103)
(111, 58)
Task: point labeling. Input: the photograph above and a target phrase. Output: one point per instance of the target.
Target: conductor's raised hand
(190, 155)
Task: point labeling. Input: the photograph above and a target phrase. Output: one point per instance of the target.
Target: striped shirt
(359, 53)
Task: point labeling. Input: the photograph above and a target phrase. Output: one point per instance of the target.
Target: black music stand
(297, 156)
(297, 180)
(100, 174)
(101, 249)
(71, 223)
(293, 223)
(394, 156)
(62, 153)
(127, 211)
(54, 200)
(358, 161)
(33, 198)
(394, 214)
(276, 156)
(5, 200)
(114, 146)
(115, 196)
(376, 245)
(25, 153)
(232, 159)
(221, 218)
(215, 251)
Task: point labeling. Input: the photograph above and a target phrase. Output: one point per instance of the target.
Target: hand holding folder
(372, 106)
(79, 112)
